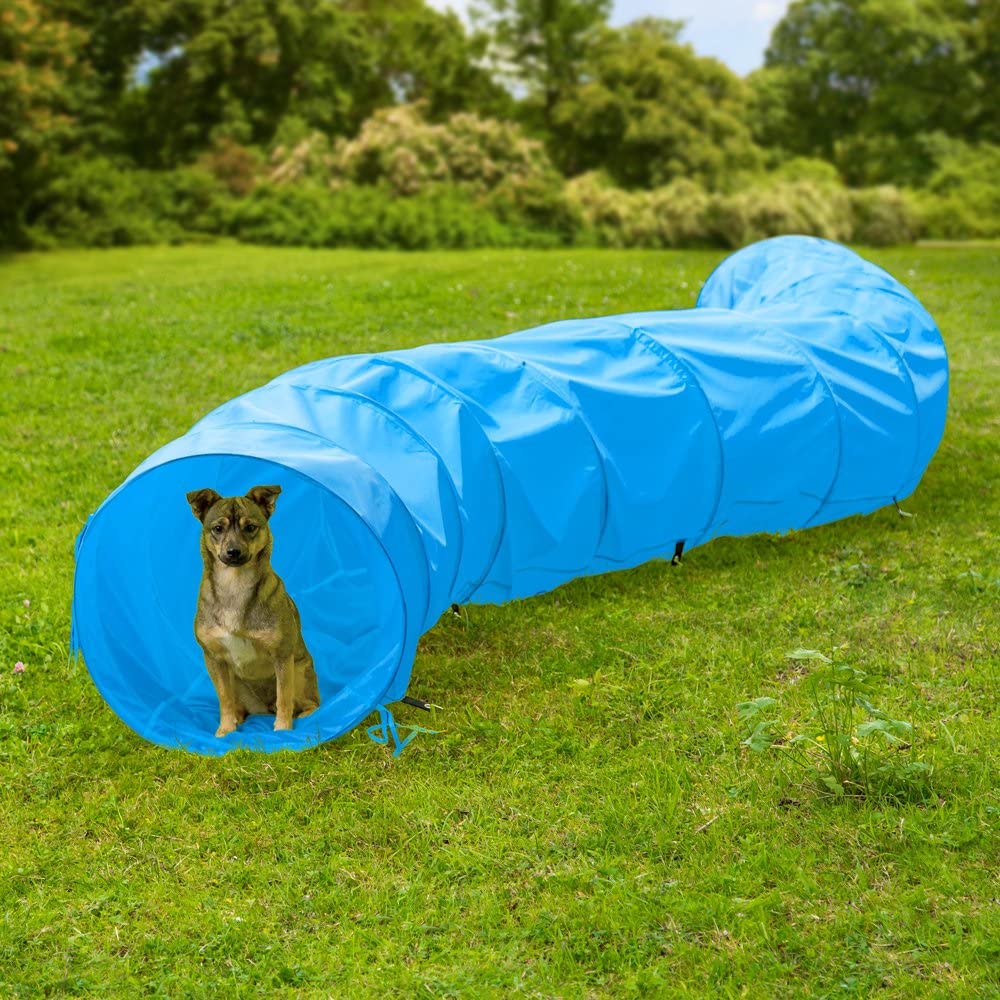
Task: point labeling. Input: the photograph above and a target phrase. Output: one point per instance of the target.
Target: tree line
(195, 113)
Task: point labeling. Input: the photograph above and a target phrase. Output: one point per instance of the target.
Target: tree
(41, 88)
(981, 30)
(542, 45)
(234, 71)
(112, 42)
(863, 82)
(425, 55)
(649, 110)
(237, 72)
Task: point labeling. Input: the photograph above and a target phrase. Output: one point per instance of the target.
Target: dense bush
(232, 165)
(807, 207)
(399, 151)
(537, 204)
(883, 216)
(484, 178)
(962, 196)
(404, 182)
(806, 168)
(467, 181)
(398, 148)
(683, 214)
(809, 201)
(670, 216)
(441, 216)
(96, 203)
(301, 155)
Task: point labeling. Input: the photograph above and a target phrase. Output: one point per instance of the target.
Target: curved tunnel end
(136, 591)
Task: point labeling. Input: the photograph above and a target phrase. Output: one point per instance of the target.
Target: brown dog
(246, 623)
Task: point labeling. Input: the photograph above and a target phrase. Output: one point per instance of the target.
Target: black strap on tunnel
(678, 552)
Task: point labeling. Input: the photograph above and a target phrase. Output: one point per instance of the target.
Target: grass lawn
(588, 822)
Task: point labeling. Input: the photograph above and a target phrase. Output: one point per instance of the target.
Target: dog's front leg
(285, 673)
(225, 687)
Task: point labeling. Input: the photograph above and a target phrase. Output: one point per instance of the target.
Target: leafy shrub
(606, 211)
(235, 166)
(398, 148)
(301, 157)
(804, 207)
(441, 216)
(807, 168)
(474, 175)
(683, 214)
(883, 216)
(962, 197)
(95, 203)
(536, 203)
(679, 211)
(99, 203)
(670, 216)
(279, 216)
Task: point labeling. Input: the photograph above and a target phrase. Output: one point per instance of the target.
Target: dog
(246, 624)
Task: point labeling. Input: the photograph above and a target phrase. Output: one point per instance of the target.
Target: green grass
(588, 822)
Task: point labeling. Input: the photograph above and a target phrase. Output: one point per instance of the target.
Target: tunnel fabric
(807, 385)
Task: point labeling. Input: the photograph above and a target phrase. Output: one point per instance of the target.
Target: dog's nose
(233, 553)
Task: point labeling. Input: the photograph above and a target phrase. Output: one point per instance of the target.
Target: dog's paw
(282, 724)
(225, 728)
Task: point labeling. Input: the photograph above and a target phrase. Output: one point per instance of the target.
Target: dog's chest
(249, 659)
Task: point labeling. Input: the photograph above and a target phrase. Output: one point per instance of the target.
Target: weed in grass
(847, 748)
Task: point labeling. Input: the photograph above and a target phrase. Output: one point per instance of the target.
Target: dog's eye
(250, 528)
(216, 529)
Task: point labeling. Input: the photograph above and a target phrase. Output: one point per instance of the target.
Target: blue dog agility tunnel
(807, 385)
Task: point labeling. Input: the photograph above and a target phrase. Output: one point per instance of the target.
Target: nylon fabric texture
(807, 385)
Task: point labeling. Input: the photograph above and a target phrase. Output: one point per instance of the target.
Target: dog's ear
(265, 497)
(201, 502)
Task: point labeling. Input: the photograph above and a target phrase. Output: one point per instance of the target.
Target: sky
(735, 31)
